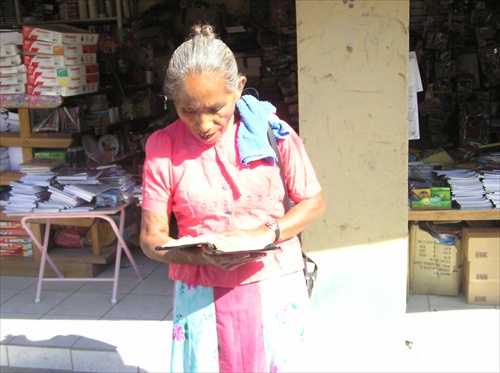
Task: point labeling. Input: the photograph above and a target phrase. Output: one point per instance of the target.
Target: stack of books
(4, 159)
(467, 190)
(491, 183)
(43, 179)
(14, 240)
(25, 197)
(9, 121)
(61, 200)
(86, 192)
(41, 165)
(119, 180)
(75, 176)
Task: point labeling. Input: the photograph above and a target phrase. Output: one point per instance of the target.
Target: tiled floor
(76, 328)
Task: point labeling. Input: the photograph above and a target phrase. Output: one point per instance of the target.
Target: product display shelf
(82, 262)
(27, 140)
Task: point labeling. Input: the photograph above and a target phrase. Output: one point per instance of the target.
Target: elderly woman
(213, 168)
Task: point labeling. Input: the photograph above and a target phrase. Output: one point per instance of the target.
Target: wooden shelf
(39, 140)
(451, 215)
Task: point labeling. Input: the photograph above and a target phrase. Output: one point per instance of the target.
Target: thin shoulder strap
(272, 141)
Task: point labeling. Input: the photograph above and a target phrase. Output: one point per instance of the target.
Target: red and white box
(60, 34)
(45, 47)
(13, 79)
(51, 60)
(62, 71)
(62, 81)
(61, 91)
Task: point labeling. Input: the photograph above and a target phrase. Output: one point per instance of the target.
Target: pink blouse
(209, 191)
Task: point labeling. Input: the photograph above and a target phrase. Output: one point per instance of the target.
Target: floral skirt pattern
(257, 327)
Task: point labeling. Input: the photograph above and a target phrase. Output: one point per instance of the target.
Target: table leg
(120, 245)
(45, 257)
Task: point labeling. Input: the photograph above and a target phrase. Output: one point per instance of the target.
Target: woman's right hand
(228, 262)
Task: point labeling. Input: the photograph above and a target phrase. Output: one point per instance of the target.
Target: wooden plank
(82, 255)
(73, 263)
(453, 215)
(35, 142)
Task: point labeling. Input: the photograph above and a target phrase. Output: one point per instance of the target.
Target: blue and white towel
(251, 139)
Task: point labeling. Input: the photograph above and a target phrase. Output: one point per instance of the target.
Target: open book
(224, 245)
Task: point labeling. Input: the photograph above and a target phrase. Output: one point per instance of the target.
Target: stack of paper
(41, 165)
(467, 190)
(25, 197)
(85, 191)
(40, 179)
(491, 182)
(59, 200)
(4, 159)
(120, 180)
(9, 121)
(69, 176)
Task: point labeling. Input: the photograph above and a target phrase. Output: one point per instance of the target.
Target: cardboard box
(51, 60)
(7, 70)
(19, 78)
(61, 91)
(60, 34)
(64, 75)
(9, 50)
(485, 293)
(12, 89)
(440, 198)
(63, 81)
(481, 243)
(482, 270)
(45, 47)
(63, 71)
(10, 60)
(435, 268)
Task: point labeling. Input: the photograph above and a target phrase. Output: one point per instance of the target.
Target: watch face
(272, 225)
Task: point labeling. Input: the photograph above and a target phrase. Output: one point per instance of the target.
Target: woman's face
(206, 106)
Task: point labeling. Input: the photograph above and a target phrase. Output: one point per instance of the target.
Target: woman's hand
(228, 262)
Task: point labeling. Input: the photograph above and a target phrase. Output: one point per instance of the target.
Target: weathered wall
(352, 63)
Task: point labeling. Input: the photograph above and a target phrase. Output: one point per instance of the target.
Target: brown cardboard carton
(482, 270)
(435, 268)
(481, 292)
(481, 243)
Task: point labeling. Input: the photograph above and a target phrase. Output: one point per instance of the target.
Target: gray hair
(202, 52)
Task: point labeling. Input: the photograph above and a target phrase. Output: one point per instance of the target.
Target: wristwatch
(273, 224)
